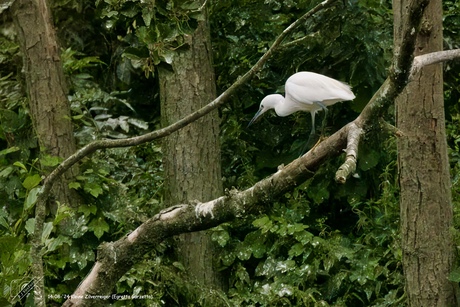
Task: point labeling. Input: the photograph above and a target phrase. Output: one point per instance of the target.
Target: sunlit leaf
(221, 237)
(93, 188)
(31, 181)
(19, 164)
(6, 171)
(264, 223)
(3, 222)
(296, 250)
(32, 198)
(98, 226)
(71, 275)
(138, 123)
(47, 228)
(455, 275)
(147, 15)
(9, 150)
(62, 213)
(30, 225)
(74, 185)
(51, 161)
(55, 243)
(179, 266)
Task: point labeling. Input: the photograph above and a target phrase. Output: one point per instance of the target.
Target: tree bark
(192, 165)
(46, 85)
(49, 110)
(426, 210)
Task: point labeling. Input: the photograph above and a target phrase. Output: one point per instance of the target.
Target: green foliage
(451, 22)
(152, 33)
(73, 65)
(316, 251)
(92, 106)
(120, 188)
(14, 265)
(453, 140)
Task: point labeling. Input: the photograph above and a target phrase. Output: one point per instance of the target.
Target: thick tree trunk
(46, 86)
(192, 155)
(426, 210)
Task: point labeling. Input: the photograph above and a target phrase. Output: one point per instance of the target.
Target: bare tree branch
(433, 58)
(385, 95)
(349, 166)
(390, 128)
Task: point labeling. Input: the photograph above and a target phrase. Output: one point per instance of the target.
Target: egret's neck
(284, 107)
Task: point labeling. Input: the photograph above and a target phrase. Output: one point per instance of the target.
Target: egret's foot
(321, 138)
(309, 145)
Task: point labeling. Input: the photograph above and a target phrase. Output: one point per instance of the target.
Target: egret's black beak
(255, 117)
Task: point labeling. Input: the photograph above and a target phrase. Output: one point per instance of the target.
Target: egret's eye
(261, 106)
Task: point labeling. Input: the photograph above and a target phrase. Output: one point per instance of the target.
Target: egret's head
(269, 102)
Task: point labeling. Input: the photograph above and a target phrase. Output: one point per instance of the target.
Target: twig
(432, 58)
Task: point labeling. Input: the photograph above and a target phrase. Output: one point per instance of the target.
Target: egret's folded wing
(308, 87)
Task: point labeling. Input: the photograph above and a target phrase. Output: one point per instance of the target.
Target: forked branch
(386, 94)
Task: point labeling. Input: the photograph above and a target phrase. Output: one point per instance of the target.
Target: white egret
(305, 91)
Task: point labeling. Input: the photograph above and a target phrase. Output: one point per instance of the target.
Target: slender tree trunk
(45, 82)
(192, 155)
(49, 109)
(426, 209)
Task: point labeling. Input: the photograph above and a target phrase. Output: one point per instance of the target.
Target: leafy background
(322, 244)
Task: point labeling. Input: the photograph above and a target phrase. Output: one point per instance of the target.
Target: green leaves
(9, 150)
(31, 181)
(306, 253)
(98, 226)
(32, 198)
(75, 61)
(14, 263)
(50, 161)
(454, 276)
(4, 219)
(264, 223)
(221, 236)
(160, 28)
(93, 188)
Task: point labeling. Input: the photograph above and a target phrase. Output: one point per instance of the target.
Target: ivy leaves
(154, 31)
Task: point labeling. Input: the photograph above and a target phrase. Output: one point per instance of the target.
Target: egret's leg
(313, 126)
(323, 124)
(311, 138)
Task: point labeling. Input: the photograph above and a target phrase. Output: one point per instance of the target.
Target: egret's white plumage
(306, 91)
